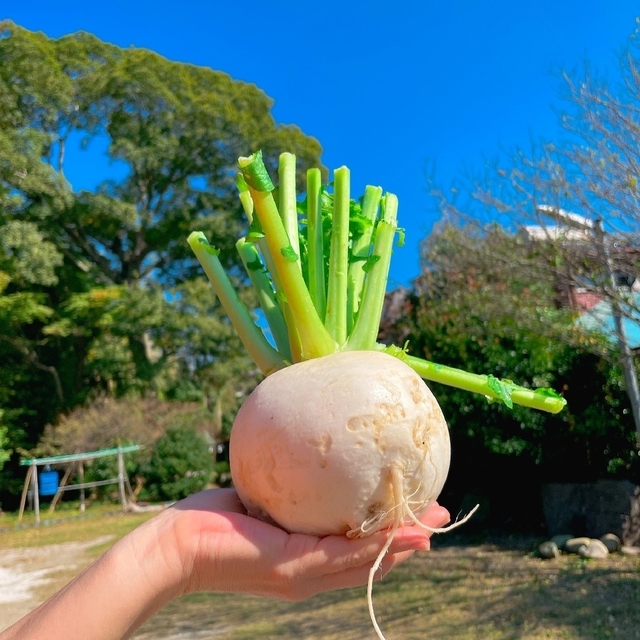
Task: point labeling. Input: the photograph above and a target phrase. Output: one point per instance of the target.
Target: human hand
(207, 542)
(230, 551)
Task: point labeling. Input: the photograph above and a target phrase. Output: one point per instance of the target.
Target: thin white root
(366, 527)
(457, 523)
(400, 508)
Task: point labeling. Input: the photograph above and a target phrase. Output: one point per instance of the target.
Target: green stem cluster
(321, 278)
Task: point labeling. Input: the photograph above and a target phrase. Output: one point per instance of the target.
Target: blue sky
(384, 85)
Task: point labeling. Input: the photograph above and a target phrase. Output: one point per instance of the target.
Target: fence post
(123, 497)
(25, 491)
(36, 493)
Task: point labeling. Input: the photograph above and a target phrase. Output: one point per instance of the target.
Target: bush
(181, 464)
(5, 453)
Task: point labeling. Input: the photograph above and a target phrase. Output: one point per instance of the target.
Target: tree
(27, 264)
(488, 321)
(99, 290)
(571, 208)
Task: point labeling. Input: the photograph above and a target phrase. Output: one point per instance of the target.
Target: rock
(630, 551)
(561, 540)
(596, 549)
(548, 550)
(573, 544)
(611, 541)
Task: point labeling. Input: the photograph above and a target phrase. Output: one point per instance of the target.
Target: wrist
(164, 549)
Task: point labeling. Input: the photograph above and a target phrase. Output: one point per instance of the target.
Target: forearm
(114, 596)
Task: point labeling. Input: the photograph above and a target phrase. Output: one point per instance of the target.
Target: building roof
(556, 232)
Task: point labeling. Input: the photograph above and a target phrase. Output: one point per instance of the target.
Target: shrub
(180, 464)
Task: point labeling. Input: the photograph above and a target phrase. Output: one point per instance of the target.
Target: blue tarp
(600, 318)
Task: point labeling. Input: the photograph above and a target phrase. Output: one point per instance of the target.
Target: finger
(435, 516)
(337, 553)
(341, 554)
(412, 536)
(355, 577)
(213, 500)
(228, 500)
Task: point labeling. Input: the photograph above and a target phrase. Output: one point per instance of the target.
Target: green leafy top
(320, 269)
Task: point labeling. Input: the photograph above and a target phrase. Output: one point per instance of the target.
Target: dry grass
(463, 589)
(69, 525)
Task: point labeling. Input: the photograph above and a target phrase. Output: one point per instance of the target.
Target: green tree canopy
(99, 292)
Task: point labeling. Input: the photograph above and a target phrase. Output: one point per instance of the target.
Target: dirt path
(29, 576)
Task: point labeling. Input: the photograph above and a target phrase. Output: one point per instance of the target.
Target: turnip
(343, 436)
(366, 448)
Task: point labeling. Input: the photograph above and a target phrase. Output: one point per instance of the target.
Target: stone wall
(593, 509)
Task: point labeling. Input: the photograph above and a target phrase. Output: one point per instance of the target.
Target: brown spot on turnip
(420, 433)
(378, 427)
(358, 422)
(392, 389)
(323, 443)
(326, 441)
(392, 412)
(375, 509)
(269, 464)
(415, 390)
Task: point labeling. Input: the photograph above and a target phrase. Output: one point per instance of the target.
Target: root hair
(402, 509)
(455, 524)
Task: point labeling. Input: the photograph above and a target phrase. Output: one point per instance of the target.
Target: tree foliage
(563, 217)
(488, 321)
(99, 293)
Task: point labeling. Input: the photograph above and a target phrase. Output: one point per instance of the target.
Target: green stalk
(489, 386)
(266, 296)
(293, 350)
(360, 254)
(315, 341)
(352, 306)
(261, 352)
(245, 197)
(365, 331)
(315, 242)
(287, 204)
(336, 316)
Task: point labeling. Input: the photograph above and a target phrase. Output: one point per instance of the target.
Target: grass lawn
(67, 525)
(465, 589)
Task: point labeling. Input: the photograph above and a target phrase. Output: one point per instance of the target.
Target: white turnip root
(344, 444)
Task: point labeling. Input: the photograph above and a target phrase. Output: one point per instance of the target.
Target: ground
(30, 575)
(463, 589)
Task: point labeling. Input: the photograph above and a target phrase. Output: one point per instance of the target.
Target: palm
(239, 553)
